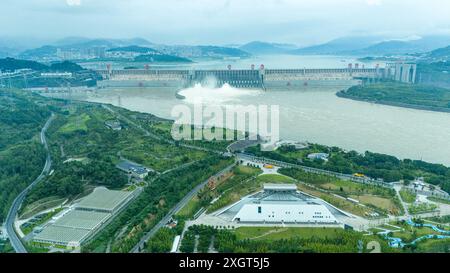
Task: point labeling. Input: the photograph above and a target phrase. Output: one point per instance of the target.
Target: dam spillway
(243, 78)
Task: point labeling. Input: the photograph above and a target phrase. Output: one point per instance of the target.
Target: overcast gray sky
(302, 22)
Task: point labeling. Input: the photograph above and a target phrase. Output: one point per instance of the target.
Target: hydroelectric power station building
(280, 204)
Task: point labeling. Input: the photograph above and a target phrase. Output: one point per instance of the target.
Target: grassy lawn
(336, 201)
(441, 219)
(410, 233)
(191, 208)
(76, 123)
(277, 233)
(434, 246)
(274, 178)
(242, 189)
(241, 183)
(421, 208)
(41, 205)
(338, 186)
(438, 200)
(384, 200)
(385, 204)
(247, 170)
(160, 156)
(408, 196)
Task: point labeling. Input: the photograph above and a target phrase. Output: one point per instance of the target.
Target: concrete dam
(265, 79)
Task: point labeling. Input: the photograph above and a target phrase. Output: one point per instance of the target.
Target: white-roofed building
(73, 227)
(280, 203)
(104, 200)
(280, 187)
(62, 236)
(285, 213)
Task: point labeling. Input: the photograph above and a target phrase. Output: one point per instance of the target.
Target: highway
(176, 209)
(12, 214)
(186, 198)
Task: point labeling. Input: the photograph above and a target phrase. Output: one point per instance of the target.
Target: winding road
(16, 242)
(176, 209)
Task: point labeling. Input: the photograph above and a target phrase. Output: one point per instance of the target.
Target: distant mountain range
(79, 43)
(337, 46)
(357, 45)
(263, 48)
(76, 42)
(202, 51)
(131, 45)
(376, 46)
(372, 46)
(42, 52)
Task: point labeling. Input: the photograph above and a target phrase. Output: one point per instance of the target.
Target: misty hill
(70, 41)
(11, 64)
(110, 43)
(339, 45)
(202, 51)
(263, 48)
(5, 52)
(138, 45)
(81, 42)
(398, 47)
(8, 50)
(149, 54)
(80, 76)
(66, 66)
(164, 58)
(46, 51)
(376, 46)
(440, 54)
(134, 48)
(220, 51)
(390, 48)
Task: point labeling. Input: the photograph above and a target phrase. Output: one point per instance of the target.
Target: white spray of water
(199, 94)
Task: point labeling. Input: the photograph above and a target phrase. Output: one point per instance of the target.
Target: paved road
(12, 214)
(176, 209)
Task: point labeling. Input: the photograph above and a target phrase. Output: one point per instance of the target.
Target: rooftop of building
(82, 219)
(128, 166)
(275, 195)
(280, 187)
(103, 199)
(62, 235)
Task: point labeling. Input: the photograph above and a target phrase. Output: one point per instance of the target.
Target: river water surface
(313, 114)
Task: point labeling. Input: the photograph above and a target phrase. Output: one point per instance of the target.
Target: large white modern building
(280, 203)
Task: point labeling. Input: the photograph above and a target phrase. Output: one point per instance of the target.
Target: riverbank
(418, 97)
(342, 94)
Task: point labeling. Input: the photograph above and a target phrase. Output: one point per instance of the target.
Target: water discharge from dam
(210, 95)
